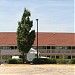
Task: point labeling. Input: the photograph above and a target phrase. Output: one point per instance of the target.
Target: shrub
(63, 61)
(53, 61)
(73, 61)
(37, 61)
(19, 61)
(15, 61)
(44, 61)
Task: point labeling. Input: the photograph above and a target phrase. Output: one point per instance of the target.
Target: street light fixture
(37, 38)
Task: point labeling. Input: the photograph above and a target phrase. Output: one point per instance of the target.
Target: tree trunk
(23, 57)
(26, 56)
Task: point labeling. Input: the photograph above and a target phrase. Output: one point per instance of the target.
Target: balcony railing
(56, 51)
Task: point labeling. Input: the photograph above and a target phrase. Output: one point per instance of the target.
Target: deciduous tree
(25, 36)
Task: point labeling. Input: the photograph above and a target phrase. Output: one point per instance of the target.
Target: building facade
(52, 45)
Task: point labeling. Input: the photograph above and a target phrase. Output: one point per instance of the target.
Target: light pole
(37, 38)
(0, 57)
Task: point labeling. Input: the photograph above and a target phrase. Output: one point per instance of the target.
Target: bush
(15, 61)
(44, 61)
(54, 61)
(73, 61)
(38, 61)
(63, 61)
(19, 61)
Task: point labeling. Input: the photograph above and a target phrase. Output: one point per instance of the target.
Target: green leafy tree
(25, 36)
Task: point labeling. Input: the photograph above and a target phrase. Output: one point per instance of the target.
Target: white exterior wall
(5, 54)
(10, 52)
(63, 53)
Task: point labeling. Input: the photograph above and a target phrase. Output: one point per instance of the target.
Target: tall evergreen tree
(25, 36)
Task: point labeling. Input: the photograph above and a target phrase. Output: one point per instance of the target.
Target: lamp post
(37, 38)
(0, 57)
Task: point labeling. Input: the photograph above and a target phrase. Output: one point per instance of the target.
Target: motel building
(51, 45)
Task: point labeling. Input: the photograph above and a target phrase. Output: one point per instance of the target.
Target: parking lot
(20, 69)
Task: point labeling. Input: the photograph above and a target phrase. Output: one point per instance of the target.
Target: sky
(52, 15)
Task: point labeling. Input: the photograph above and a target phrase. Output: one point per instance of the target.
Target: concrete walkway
(6, 69)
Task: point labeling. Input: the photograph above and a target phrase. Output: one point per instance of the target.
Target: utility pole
(37, 38)
(0, 57)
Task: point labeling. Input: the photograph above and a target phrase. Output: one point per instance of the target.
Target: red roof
(44, 38)
(59, 39)
(7, 38)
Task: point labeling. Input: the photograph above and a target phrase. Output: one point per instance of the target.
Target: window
(48, 47)
(69, 47)
(1, 47)
(53, 47)
(48, 56)
(57, 57)
(57, 47)
(60, 47)
(42, 47)
(12, 47)
(6, 56)
(8, 47)
(73, 47)
(53, 56)
(69, 57)
(39, 47)
(73, 56)
(63, 47)
(15, 47)
(4, 47)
